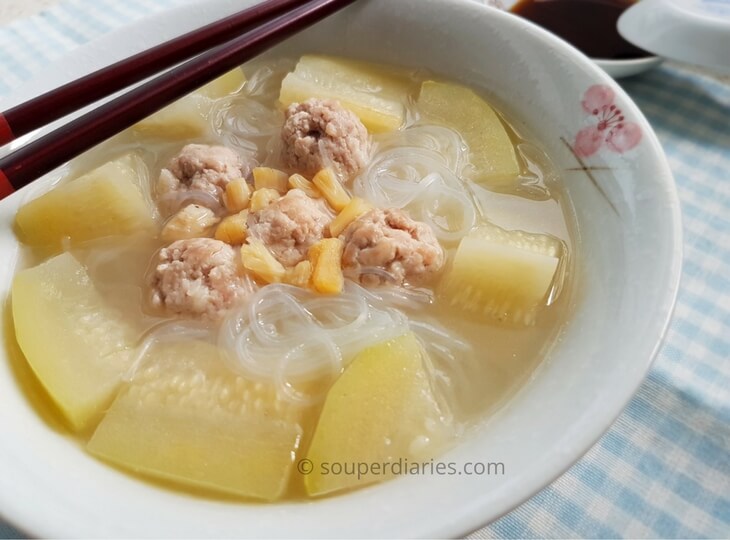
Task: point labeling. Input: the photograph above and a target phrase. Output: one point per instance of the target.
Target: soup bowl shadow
(627, 273)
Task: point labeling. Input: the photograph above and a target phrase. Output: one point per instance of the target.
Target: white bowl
(629, 266)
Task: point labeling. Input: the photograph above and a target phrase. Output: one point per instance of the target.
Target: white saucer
(694, 31)
(626, 68)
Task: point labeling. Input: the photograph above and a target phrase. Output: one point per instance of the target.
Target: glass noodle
(289, 335)
(421, 169)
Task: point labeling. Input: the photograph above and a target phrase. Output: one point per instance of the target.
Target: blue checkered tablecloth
(663, 469)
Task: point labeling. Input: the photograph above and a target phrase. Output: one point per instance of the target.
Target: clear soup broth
(412, 284)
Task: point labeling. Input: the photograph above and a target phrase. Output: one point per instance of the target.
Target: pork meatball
(320, 133)
(290, 226)
(199, 277)
(390, 240)
(201, 170)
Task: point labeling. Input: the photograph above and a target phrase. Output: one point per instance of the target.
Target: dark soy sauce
(589, 25)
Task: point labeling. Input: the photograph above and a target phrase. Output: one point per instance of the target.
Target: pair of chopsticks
(220, 47)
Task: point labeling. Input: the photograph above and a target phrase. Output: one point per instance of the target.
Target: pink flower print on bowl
(611, 128)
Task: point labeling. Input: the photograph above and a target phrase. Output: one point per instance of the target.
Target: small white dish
(627, 275)
(615, 68)
(694, 31)
(627, 68)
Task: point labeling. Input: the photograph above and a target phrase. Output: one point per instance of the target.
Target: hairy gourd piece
(107, 201)
(187, 117)
(78, 346)
(227, 84)
(376, 98)
(183, 119)
(380, 410)
(186, 417)
(491, 151)
(504, 274)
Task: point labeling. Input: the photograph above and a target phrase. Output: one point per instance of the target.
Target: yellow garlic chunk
(193, 221)
(354, 209)
(233, 229)
(297, 181)
(326, 259)
(258, 260)
(262, 198)
(300, 275)
(328, 183)
(266, 177)
(238, 195)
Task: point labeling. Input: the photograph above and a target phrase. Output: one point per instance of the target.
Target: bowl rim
(472, 516)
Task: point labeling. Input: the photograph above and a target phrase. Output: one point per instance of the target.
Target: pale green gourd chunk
(225, 85)
(506, 275)
(107, 201)
(381, 410)
(491, 151)
(188, 116)
(185, 118)
(78, 346)
(377, 98)
(186, 417)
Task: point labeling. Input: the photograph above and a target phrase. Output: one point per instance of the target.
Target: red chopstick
(45, 154)
(70, 97)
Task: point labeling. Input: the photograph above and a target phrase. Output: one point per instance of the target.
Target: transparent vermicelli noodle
(266, 339)
(419, 169)
(265, 76)
(167, 332)
(449, 359)
(450, 212)
(444, 142)
(251, 119)
(248, 124)
(410, 157)
(180, 199)
(247, 118)
(406, 298)
(288, 335)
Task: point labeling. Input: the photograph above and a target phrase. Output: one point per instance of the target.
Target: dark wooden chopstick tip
(6, 188)
(6, 134)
